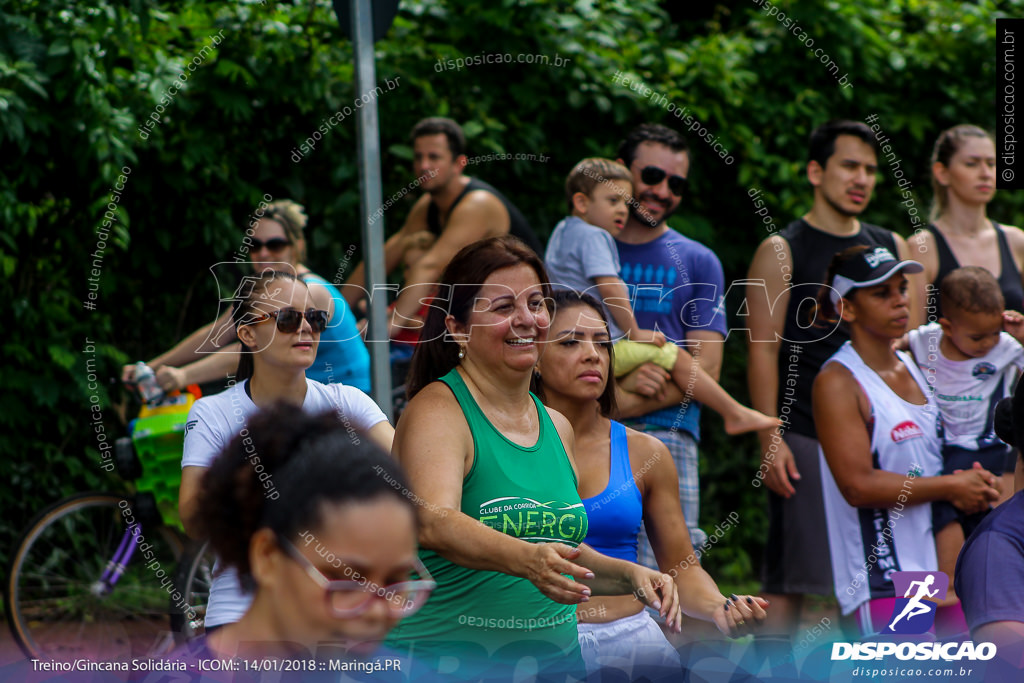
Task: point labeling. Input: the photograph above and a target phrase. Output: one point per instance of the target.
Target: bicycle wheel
(65, 595)
(193, 579)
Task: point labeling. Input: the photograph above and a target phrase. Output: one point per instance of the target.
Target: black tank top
(1009, 276)
(517, 223)
(805, 348)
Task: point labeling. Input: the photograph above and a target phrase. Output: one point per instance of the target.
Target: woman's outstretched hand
(740, 615)
(545, 565)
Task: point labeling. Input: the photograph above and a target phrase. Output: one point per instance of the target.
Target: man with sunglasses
(677, 287)
(786, 353)
(454, 211)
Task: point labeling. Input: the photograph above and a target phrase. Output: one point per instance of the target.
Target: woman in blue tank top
(273, 241)
(625, 477)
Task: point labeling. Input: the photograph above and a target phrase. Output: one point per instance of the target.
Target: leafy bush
(77, 83)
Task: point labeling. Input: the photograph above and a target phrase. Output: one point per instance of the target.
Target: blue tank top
(615, 514)
(341, 356)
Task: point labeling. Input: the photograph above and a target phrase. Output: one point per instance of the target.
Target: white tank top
(869, 544)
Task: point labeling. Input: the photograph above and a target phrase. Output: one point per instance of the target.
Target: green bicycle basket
(158, 440)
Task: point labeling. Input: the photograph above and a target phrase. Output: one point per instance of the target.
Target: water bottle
(145, 379)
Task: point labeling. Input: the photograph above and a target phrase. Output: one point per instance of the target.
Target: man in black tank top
(517, 222)
(455, 210)
(786, 353)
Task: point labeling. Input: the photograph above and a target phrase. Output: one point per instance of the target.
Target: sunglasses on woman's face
(290, 319)
(274, 244)
(652, 175)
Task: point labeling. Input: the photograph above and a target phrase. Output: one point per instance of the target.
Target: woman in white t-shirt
(279, 332)
(330, 559)
(879, 432)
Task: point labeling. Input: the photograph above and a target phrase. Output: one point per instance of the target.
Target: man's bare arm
(355, 287)
(767, 308)
(479, 215)
(706, 347)
(645, 390)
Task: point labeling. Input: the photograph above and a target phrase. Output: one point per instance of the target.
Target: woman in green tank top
(494, 480)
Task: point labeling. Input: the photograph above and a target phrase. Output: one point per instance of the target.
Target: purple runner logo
(914, 613)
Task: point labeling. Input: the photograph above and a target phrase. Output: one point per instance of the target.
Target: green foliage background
(77, 81)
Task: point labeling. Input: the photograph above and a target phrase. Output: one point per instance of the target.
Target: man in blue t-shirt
(677, 287)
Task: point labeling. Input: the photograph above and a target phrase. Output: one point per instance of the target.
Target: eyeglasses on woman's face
(350, 598)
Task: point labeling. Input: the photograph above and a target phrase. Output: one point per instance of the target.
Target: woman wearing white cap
(879, 433)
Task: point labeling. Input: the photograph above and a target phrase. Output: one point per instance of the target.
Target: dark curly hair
(307, 460)
(1009, 418)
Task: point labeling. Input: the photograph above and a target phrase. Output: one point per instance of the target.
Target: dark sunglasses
(274, 244)
(652, 175)
(290, 319)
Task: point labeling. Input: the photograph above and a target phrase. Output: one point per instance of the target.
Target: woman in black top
(961, 234)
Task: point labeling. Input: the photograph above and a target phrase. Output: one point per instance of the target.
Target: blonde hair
(949, 143)
(292, 217)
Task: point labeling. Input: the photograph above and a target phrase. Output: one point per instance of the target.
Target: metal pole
(368, 144)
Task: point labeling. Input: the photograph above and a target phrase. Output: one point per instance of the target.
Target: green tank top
(482, 617)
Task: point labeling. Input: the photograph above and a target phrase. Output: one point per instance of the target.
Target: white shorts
(633, 645)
